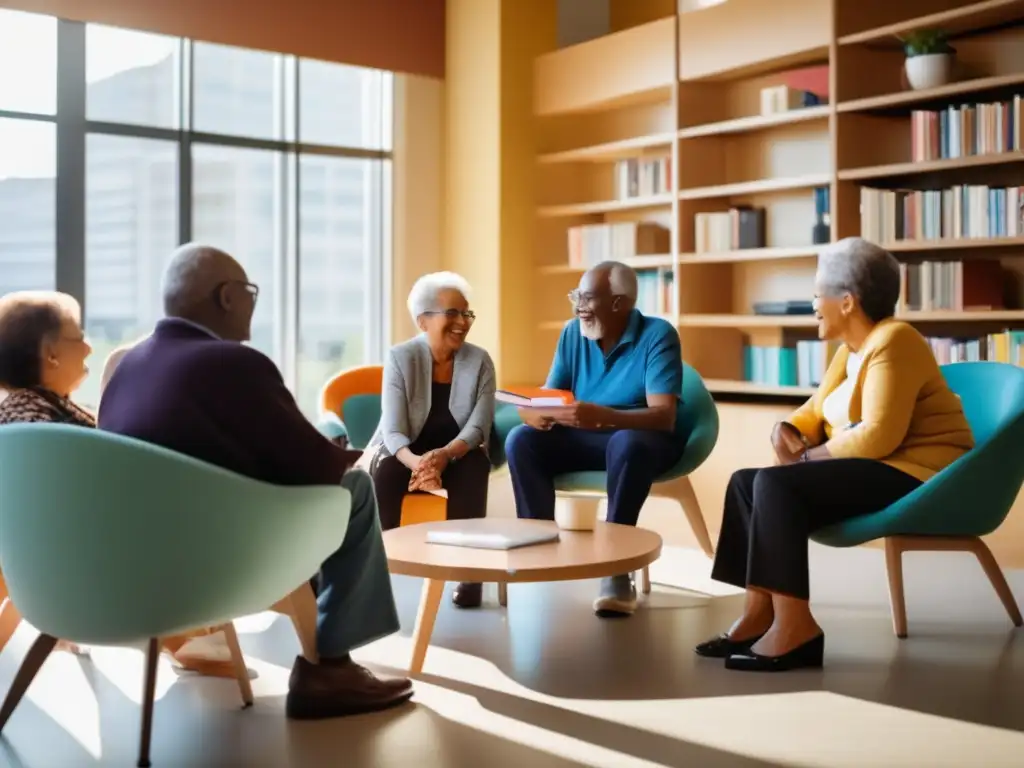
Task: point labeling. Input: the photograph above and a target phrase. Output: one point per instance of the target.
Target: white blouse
(836, 407)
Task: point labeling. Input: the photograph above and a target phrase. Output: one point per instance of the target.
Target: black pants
(465, 480)
(771, 512)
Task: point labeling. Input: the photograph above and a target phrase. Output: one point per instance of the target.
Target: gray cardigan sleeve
(394, 407)
(478, 428)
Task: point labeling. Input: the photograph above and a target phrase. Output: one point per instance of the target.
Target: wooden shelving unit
(688, 88)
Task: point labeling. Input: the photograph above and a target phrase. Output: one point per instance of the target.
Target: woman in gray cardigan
(437, 405)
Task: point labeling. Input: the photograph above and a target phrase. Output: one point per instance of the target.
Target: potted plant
(929, 58)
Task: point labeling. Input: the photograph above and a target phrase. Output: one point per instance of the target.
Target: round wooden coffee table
(608, 550)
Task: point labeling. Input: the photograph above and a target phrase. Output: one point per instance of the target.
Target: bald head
(207, 286)
(619, 278)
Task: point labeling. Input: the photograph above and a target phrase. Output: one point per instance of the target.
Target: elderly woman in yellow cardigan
(882, 422)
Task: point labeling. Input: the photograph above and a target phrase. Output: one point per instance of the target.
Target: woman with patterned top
(43, 353)
(42, 361)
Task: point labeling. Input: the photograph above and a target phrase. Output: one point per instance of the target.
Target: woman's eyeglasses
(453, 314)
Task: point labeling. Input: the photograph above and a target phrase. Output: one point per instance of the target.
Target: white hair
(867, 271)
(187, 276)
(423, 296)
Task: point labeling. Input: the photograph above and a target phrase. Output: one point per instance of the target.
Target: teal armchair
(701, 419)
(965, 501)
(108, 540)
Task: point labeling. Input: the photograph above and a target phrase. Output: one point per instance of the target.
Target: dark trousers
(771, 512)
(465, 480)
(633, 459)
(355, 603)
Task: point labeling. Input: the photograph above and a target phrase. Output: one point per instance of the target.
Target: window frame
(73, 127)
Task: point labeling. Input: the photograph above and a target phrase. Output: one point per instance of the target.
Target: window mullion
(70, 197)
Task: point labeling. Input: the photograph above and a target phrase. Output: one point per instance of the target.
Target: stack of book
(970, 129)
(805, 364)
(593, 243)
(730, 230)
(654, 291)
(1005, 347)
(801, 366)
(640, 177)
(951, 285)
(963, 211)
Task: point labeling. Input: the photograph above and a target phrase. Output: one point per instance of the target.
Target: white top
(836, 407)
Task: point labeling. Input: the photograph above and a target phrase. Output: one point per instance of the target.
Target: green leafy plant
(926, 41)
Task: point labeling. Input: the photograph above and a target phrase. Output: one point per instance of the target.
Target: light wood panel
(589, 75)
(749, 48)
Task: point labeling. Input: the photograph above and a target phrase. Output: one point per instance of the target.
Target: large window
(284, 163)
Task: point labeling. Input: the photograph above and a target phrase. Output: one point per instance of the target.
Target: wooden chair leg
(997, 579)
(681, 491)
(148, 694)
(894, 569)
(645, 580)
(10, 617)
(37, 654)
(502, 594)
(300, 607)
(238, 662)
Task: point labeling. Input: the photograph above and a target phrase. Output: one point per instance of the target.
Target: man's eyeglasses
(453, 314)
(580, 298)
(251, 288)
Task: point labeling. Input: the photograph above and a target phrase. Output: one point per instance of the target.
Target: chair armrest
(331, 426)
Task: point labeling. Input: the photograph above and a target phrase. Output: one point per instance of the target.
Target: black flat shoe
(468, 595)
(722, 647)
(809, 655)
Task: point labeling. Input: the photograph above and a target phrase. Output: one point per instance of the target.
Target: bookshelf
(780, 131)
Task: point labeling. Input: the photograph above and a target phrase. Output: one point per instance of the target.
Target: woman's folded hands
(427, 474)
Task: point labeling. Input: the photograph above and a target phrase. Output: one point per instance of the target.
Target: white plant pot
(930, 70)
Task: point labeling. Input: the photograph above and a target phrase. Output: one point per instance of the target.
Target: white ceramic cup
(571, 516)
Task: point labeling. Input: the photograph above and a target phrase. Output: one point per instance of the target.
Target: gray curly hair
(866, 271)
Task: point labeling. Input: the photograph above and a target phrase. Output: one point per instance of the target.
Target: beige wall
(418, 188)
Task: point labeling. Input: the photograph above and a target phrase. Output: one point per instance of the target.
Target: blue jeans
(633, 459)
(356, 605)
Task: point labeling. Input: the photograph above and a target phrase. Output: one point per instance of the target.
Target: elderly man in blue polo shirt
(625, 371)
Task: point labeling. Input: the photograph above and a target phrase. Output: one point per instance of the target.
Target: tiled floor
(547, 684)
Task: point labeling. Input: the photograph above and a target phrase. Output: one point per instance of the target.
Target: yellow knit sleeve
(893, 377)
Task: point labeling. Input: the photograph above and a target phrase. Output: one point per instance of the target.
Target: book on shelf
(951, 285)
(782, 98)
(534, 397)
(801, 365)
(1005, 347)
(805, 363)
(970, 129)
(735, 229)
(643, 177)
(962, 211)
(591, 244)
(654, 290)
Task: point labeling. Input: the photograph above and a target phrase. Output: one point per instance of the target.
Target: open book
(536, 397)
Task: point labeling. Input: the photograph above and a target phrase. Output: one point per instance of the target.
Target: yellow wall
(418, 190)
(490, 161)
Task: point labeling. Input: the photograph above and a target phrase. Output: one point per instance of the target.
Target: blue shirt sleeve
(664, 373)
(560, 375)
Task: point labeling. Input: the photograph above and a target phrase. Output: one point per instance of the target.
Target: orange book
(534, 397)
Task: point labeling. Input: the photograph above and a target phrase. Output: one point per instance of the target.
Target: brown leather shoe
(318, 691)
(468, 595)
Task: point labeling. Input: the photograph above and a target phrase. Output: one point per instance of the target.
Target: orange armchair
(353, 397)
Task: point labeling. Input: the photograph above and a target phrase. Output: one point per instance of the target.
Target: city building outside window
(283, 162)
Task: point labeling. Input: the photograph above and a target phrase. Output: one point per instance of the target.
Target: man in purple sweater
(194, 388)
